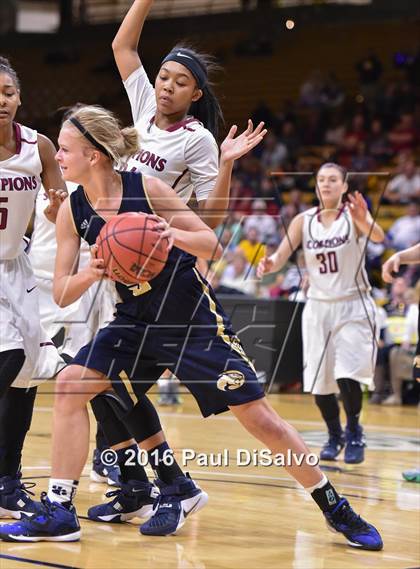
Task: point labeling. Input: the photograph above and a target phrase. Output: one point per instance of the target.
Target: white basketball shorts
(339, 341)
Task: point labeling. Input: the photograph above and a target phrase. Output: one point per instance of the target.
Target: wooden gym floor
(257, 517)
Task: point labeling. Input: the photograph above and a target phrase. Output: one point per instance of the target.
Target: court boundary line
(37, 562)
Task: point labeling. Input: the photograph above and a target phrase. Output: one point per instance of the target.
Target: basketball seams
(122, 244)
(115, 247)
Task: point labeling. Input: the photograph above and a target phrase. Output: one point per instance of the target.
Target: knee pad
(143, 420)
(110, 412)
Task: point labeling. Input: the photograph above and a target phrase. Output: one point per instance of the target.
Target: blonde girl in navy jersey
(152, 328)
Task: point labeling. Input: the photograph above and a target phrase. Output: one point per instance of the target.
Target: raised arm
(289, 244)
(69, 285)
(126, 42)
(187, 230)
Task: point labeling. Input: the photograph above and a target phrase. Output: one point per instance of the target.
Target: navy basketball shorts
(212, 366)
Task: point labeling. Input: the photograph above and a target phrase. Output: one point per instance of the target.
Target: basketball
(132, 249)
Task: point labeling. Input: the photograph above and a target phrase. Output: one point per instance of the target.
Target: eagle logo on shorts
(230, 380)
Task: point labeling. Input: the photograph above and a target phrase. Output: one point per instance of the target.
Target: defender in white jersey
(177, 120)
(27, 355)
(339, 320)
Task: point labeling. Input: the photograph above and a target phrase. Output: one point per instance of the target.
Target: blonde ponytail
(104, 128)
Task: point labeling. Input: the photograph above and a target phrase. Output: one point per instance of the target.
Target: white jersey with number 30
(334, 256)
(20, 181)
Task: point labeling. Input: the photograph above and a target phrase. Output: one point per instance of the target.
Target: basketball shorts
(213, 367)
(339, 341)
(53, 317)
(20, 323)
(95, 310)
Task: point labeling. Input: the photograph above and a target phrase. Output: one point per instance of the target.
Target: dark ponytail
(207, 109)
(5, 67)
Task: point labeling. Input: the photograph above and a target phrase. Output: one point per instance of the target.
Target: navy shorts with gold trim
(213, 368)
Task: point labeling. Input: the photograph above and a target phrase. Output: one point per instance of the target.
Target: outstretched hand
(56, 198)
(233, 148)
(358, 206)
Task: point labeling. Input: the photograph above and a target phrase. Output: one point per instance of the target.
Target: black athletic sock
(130, 468)
(330, 411)
(351, 393)
(160, 455)
(326, 497)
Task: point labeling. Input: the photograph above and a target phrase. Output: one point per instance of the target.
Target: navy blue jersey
(170, 298)
(173, 322)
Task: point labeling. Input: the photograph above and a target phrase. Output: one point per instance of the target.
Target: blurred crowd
(376, 136)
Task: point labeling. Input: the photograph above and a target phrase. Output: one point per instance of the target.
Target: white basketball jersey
(43, 241)
(334, 256)
(20, 181)
(185, 156)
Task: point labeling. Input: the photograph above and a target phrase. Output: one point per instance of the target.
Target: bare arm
(188, 231)
(408, 256)
(289, 244)
(54, 185)
(69, 285)
(213, 209)
(126, 42)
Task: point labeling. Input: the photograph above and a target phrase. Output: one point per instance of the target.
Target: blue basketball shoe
(104, 474)
(174, 504)
(14, 498)
(354, 453)
(133, 499)
(333, 446)
(53, 523)
(358, 533)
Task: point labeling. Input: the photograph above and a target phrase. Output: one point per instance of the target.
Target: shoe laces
(24, 487)
(348, 516)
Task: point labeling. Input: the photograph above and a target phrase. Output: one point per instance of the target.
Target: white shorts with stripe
(53, 317)
(339, 341)
(21, 325)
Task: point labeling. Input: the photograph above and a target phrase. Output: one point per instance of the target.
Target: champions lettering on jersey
(20, 182)
(334, 256)
(185, 155)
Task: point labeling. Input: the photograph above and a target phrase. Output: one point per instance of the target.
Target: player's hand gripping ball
(132, 247)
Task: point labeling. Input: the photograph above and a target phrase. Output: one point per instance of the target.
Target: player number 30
(328, 262)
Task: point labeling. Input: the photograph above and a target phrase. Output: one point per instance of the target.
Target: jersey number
(328, 262)
(3, 213)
